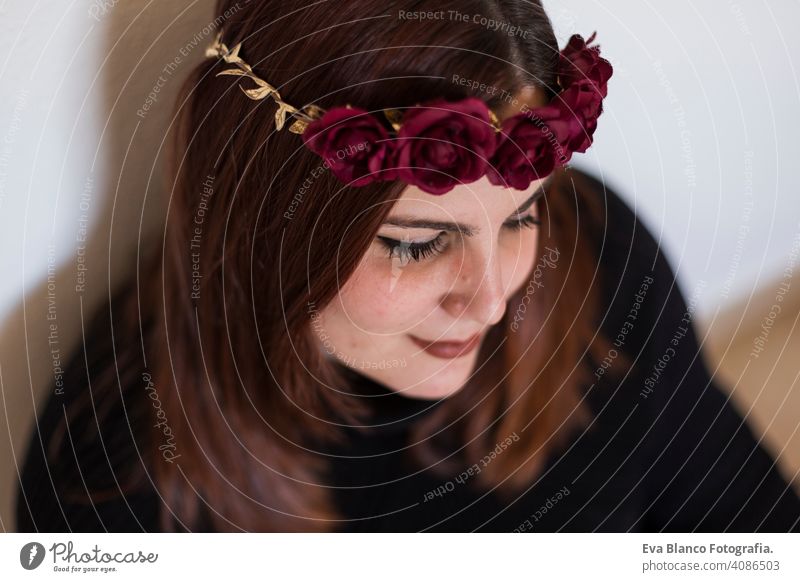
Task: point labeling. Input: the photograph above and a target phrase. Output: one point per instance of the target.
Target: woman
(385, 303)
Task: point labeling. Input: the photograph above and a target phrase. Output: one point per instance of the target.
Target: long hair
(256, 234)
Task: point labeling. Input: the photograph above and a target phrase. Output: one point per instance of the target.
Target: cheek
(383, 296)
(518, 256)
(386, 297)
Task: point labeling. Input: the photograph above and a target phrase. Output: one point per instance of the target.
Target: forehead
(478, 198)
(481, 195)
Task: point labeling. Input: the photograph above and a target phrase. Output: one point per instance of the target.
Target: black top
(667, 451)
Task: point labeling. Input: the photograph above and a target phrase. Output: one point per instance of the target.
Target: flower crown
(439, 144)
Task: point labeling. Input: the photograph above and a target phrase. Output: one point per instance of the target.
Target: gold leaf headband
(361, 149)
(303, 116)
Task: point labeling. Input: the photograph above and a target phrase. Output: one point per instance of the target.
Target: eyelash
(418, 251)
(525, 222)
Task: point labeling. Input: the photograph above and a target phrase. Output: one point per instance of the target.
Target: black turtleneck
(676, 457)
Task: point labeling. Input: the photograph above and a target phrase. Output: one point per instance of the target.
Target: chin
(440, 383)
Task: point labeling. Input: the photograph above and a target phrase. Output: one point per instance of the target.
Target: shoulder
(84, 469)
(703, 467)
(643, 311)
(641, 296)
(626, 246)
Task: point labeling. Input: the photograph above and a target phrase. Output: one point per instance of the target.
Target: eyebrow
(465, 229)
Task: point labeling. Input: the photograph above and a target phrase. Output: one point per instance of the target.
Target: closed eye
(417, 251)
(528, 221)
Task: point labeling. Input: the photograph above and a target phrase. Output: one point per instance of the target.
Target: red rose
(443, 144)
(580, 103)
(527, 150)
(353, 143)
(565, 126)
(579, 62)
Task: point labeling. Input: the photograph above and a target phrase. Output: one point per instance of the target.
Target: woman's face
(440, 270)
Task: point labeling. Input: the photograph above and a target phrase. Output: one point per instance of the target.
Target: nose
(478, 292)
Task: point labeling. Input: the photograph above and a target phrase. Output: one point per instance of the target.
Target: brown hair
(237, 366)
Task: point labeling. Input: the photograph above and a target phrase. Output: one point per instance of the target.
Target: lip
(448, 349)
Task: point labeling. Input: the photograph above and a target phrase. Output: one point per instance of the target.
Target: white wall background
(699, 135)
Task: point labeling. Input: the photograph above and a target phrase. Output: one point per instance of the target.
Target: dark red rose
(579, 62)
(442, 144)
(526, 151)
(353, 143)
(564, 128)
(580, 103)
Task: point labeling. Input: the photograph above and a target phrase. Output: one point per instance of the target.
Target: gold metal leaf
(314, 111)
(498, 127)
(215, 48)
(233, 72)
(299, 126)
(262, 89)
(284, 109)
(395, 118)
(233, 55)
(260, 92)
